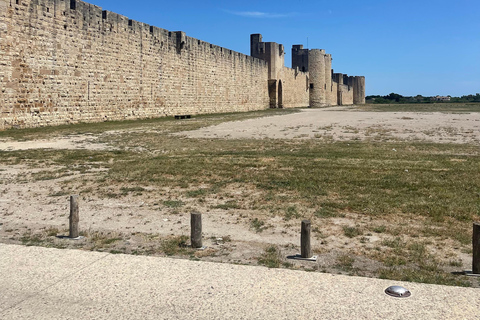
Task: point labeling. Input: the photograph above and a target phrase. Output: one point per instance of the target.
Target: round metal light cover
(398, 292)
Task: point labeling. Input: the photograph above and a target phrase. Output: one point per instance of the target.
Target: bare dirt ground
(33, 210)
(345, 123)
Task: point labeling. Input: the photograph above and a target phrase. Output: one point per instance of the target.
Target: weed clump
(175, 246)
(257, 225)
(352, 232)
(271, 257)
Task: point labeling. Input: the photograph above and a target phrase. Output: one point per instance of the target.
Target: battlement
(271, 52)
(80, 13)
(72, 61)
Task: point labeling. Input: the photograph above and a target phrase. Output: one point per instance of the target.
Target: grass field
(417, 199)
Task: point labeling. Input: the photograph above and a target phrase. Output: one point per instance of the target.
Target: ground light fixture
(398, 292)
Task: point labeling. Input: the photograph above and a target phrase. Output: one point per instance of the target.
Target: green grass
(352, 232)
(176, 246)
(345, 262)
(294, 179)
(165, 123)
(292, 212)
(432, 275)
(136, 190)
(231, 204)
(173, 203)
(257, 225)
(327, 212)
(271, 257)
(367, 178)
(31, 239)
(197, 193)
(379, 229)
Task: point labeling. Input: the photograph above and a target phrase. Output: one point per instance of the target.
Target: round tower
(316, 68)
(359, 90)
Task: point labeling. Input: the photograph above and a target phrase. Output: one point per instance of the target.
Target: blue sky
(403, 46)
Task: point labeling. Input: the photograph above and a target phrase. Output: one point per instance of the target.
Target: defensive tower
(299, 58)
(326, 87)
(318, 83)
(359, 90)
(274, 54)
(68, 61)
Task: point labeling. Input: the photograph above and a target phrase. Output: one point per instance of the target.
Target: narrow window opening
(311, 85)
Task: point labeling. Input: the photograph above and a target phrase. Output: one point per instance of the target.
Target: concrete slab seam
(54, 284)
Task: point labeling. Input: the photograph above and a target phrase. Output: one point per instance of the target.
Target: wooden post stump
(476, 248)
(196, 229)
(74, 216)
(306, 251)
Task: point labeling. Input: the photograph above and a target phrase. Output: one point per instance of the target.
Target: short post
(306, 251)
(196, 229)
(476, 248)
(74, 216)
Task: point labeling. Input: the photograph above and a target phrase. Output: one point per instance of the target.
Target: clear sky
(408, 47)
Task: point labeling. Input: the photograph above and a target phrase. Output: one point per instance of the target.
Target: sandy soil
(29, 207)
(69, 143)
(344, 123)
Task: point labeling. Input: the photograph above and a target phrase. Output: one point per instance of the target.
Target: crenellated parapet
(271, 52)
(68, 61)
(71, 61)
(326, 87)
(287, 87)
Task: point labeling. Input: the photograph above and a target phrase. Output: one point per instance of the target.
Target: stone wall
(346, 95)
(288, 88)
(328, 80)
(334, 93)
(69, 61)
(295, 87)
(326, 87)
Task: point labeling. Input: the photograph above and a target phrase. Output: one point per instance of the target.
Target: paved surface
(40, 283)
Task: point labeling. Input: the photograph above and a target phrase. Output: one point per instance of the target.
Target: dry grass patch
(389, 202)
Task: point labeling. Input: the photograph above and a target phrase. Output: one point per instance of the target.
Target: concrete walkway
(40, 283)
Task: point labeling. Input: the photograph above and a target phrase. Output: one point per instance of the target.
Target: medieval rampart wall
(347, 95)
(334, 93)
(288, 88)
(69, 61)
(295, 88)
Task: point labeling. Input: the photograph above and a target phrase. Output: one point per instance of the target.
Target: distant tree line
(397, 98)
